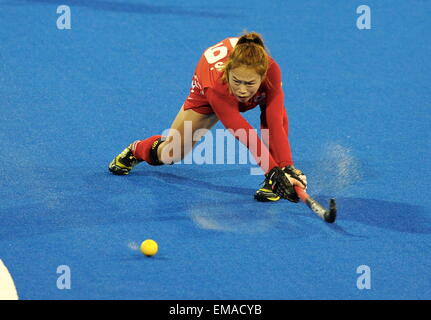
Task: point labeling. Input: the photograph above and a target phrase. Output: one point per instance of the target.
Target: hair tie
(246, 40)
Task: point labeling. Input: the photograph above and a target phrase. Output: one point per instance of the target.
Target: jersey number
(218, 52)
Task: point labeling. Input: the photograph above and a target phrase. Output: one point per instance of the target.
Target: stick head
(331, 214)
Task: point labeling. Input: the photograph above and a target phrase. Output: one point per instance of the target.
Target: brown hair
(249, 51)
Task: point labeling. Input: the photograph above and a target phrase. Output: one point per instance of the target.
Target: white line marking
(7, 287)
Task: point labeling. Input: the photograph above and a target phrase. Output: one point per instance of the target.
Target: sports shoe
(265, 194)
(124, 162)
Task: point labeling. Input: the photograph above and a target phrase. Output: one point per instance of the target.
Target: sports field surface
(358, 102)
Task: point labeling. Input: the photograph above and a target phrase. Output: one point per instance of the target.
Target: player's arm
(232, 119)
(278, 133)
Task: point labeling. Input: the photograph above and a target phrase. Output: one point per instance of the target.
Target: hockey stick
(327, 215)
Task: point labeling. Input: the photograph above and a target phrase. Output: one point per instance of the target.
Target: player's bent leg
(158, 150)
(186, 130)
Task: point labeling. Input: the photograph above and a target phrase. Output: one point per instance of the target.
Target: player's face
(244, 83)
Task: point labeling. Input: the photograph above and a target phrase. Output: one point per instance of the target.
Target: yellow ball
(149, 247)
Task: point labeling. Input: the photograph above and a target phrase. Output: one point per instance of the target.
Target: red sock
(141, 148)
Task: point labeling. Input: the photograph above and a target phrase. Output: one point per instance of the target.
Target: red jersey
(209, 94)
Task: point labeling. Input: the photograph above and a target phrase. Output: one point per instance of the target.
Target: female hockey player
(233, 76)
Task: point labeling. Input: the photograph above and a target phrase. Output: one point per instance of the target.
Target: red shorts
(197, 103)
(201, 109)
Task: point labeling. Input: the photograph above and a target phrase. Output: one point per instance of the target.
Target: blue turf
(358, 104)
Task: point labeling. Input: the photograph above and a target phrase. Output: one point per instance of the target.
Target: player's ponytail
(249, 51)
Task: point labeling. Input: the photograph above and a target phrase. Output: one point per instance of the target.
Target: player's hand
(296, 177)
(281, 184)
